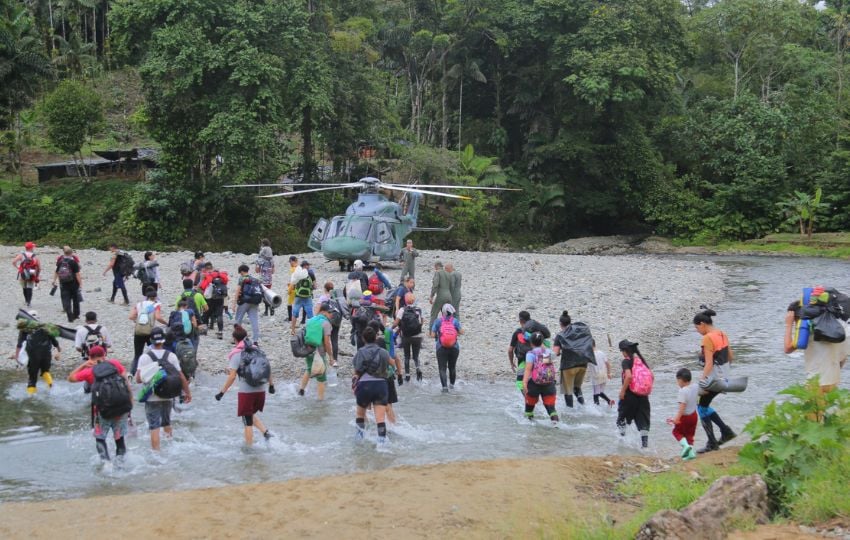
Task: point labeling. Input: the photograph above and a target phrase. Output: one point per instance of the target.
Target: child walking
(599, 375)
(685, 422)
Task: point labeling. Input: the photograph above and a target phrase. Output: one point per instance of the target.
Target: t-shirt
(689, 395)
(145, 359)
(598, 373)
(74, 265)
(626, 365)
(87, 374)
(235, 358)
(327, 328)
(83, 332)
(824, 359)
(515, 343)
(200, 302)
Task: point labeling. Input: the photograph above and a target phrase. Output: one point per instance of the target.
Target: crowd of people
(387, 328)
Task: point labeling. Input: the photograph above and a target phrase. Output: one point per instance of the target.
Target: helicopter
(373, 227)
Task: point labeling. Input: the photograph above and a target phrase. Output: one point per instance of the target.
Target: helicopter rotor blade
(293, 193)
(417, 186)
(287, 185)
(424, 192)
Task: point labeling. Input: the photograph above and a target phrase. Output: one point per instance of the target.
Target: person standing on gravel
(290, 299)
(264, 267)
(144, 315)
(70, 281)
(90, 335)
(408, 257)
(28, 268)
(214, 285)
(441, 291)
(148, 273)
(454, 287)
(117, 277)
(716, 357)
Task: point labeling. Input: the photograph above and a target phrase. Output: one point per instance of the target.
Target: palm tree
(75, 57)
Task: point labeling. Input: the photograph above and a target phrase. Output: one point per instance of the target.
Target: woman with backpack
(409, 322)
(538, 381)
(144, 315)
(28, 267)
(634, 394)
(716, 356)
(445, 331)
(252, 393)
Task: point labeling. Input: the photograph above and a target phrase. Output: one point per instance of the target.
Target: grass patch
(826, 494)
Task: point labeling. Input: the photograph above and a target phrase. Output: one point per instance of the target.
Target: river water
(48, 452)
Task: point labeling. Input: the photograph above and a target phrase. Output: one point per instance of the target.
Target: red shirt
(87, 375)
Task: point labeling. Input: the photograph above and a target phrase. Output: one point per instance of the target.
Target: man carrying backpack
(90, 335)
(318, 334)
(144, 315)
(118, 263)
(302, 285)
(409, 322)
(445, 331)
(70, 281)
(249, 296)
(147, 272)
(158, 406)
(214, 285)
(111, 399)
(399, 295)
(39, 339)
(252, 367)
(264, 267)
(28, 268)
(197, 304)
(575, 346)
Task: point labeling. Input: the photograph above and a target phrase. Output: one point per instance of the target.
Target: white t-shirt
(824, 359)
(83, 332)
(145, 360)
(689, 395)
(598, 374)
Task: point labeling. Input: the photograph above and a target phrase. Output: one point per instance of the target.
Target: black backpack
(523, 347)
(251, 291)
(64, 271)
(171, 385)
(38, 344)
(410, 322)
(254, 367)
(219, 288)
(145, 275)
(109, 393)
(576, 345)
(124, 263)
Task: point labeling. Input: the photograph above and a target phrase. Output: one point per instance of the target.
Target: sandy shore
(639, 297)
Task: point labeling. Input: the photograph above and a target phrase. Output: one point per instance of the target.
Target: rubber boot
(48, 378)
(726, 433)
(644, 441)
(289, 313)
(579, 395)
(596, 399)
(568, 400)
(711, 445)
(31, 390)
(102, 450)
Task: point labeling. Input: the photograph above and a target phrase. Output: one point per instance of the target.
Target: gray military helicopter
(373, 227)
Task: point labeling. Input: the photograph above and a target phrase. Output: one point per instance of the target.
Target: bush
(794, 443)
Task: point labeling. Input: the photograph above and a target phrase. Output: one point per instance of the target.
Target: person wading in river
(632, 406)
(716, 356)
(369, 383)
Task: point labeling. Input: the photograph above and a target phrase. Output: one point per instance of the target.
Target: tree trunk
(460, 115)
(52, 27)
(307, 144)
(802, 227)
(444, 124)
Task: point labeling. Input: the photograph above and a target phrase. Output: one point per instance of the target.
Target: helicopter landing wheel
(341, 266)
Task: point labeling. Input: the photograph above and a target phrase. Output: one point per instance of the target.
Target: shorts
(305, 303)
(520, 373)
(392, 394)
(371, 393)
(686, 427)
(250, 403)
(536, 390)
(158, 413)
(309, 359)
(118, 426)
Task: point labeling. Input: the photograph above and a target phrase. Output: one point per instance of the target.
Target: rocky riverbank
(638, 297)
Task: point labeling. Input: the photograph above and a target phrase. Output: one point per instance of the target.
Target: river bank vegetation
(704, 121)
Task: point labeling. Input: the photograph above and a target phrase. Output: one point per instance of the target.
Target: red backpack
(375, 284)
(448, 332)
(642, 378)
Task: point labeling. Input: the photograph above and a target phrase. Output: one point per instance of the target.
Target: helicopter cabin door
(318, 234)
(385, 246)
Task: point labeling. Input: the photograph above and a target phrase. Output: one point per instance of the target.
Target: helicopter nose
(345, 247)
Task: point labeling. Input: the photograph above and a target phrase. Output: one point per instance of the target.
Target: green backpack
(315, 334)
(304, 288)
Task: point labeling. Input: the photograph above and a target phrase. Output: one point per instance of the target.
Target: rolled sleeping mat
(726, 385)
(272, 297)
(64, 331)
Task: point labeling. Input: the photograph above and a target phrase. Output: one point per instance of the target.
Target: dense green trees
(689, 118)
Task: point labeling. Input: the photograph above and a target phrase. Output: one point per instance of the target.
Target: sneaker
(48, 378)
(726, 436)
(31, 390)
(267, 435)
(687, 450)
(219, 335)
(690, 454)
(300, 391)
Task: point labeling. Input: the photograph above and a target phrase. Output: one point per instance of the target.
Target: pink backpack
(542, 368)
(642, 378)
(448, 332)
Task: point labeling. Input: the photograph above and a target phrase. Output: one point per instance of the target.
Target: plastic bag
(828, 328)
(318, 368)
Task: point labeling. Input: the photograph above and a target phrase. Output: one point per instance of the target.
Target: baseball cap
(29, 246)
(157, 335)
(292, 258)
(97, 352)
(625, 345)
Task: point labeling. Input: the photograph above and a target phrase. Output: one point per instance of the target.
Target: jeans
(411, 345)
(302, 303)
(70, 300)
(447, 358)
(253, 311)
(118, 284)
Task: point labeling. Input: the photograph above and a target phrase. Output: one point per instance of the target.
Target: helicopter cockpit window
(359, 229)
(383, 233)
(334, 228)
